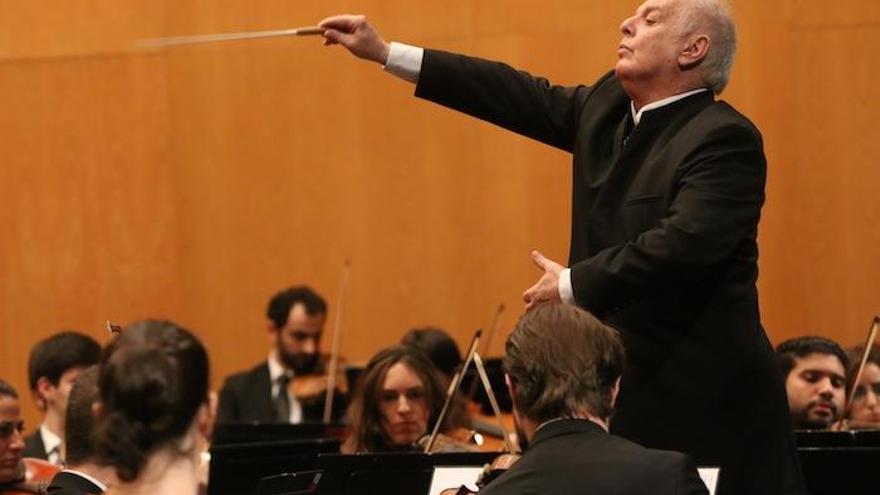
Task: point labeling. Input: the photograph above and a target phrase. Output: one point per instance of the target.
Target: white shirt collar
(81, 474)
(276, 369)
(51, 441)
(637, 116)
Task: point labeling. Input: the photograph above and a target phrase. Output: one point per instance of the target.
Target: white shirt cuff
(405, 61)
(566, 292)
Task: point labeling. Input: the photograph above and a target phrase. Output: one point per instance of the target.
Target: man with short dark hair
(296, 319)
(815, 380)
(563, 370)
(82, 475)
(54, 364)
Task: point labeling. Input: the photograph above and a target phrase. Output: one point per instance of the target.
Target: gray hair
(713, 17)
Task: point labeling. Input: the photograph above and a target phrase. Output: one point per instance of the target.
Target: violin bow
(484, 377)
(453, 386)
(487, 345)
(113, 329)
(334, 352)
(869, 344)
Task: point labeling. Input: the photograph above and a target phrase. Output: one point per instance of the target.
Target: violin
(311, 388)
(38, 473)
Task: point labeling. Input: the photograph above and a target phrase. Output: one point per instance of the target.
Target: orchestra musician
(18, 475)
(397, 398)
(563, 370)
(155, 409)
(864, 412)
(290, 386)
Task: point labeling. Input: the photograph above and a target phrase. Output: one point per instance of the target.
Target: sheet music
(709, 475)
(446, 477)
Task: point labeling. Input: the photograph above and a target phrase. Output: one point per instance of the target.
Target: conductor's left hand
(547, 287)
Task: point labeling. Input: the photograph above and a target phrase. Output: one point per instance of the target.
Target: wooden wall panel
(193, 182)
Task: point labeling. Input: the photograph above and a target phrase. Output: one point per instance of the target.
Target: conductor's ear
(694, 51)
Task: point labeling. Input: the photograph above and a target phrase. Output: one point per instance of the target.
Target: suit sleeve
(717, 200)
(227, 407)
(497, 93)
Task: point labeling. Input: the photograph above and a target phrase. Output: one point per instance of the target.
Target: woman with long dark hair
(397, 400)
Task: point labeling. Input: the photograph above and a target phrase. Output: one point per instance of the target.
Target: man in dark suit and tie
(668, 184)
(296, 319)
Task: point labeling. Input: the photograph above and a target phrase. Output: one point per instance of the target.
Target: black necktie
(282, 401)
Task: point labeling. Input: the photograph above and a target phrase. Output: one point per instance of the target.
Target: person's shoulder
(722, 114)
(247, 377)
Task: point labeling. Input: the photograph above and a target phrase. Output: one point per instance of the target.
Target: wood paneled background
(193, 182)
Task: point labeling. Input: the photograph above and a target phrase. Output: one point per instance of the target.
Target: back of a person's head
(152, 380)
(80, 423)
(564, 363)
(790, 350)
(437, 345)
(58, 353)
(281, 303)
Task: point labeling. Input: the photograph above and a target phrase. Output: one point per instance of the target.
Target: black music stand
(836, 462)
(384, 473)
(237, 468)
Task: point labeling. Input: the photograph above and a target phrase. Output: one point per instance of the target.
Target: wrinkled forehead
(9, 408)
(662, 6)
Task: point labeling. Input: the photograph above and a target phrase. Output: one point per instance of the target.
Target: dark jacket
(68, 483)
(247, 397)
(34, 447)
(577, 456)
(663, 247)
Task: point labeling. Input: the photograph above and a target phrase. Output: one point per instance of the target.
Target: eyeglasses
(8, 427)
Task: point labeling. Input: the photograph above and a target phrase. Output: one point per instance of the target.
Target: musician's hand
(356, 34)
(547, 287)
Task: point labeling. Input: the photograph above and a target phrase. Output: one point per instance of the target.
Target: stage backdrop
(191, 183)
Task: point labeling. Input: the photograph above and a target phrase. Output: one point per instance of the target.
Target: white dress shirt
(52, 444)
(276, 369)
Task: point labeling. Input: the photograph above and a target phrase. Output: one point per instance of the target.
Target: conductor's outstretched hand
(356, 34)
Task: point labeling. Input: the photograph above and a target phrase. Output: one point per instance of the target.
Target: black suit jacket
(663, 247)
(34, 447)
(247, 397)
(577, 456)
(68, 483)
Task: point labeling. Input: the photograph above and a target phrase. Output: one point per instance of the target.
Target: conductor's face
(298, 342)
(652, 40)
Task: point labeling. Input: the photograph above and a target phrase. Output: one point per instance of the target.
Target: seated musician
(865, 410)
(18, 475)
(563, 370)
(398, 397)
(443, 352)
(266, 393)
(154, 409)
(814, 369)
(81, 474)
(53, 365)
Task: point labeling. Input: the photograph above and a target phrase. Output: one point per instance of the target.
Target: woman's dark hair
(437, 345)
(152, 379)
(364, 414)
